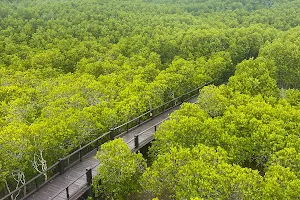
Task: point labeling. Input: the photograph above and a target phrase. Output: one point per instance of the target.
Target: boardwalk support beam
(89, 180)
(138, 120)
(67, 191)
(111, 134)
(89, 176)
(25, 192)
(97, 145)
(36, 183)
(61, 167)
(136, 141)
(80, 155)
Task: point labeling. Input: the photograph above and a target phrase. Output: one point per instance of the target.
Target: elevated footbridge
(71, 177)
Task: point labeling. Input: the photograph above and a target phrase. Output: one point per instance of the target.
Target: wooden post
(25, 192)
(127, 126)
(80, 155)
(61, 167)
(136, 141)
(89, 176)
(97, 144)
(111, 134)
(67, 191)
(139, 120)
(36, 183)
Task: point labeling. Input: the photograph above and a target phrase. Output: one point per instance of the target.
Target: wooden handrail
(106, 135)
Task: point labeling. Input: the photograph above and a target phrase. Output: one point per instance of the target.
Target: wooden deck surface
(75, 177)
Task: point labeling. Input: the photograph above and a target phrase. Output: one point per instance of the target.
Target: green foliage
(284, 51)
(212, 100)
(119, 170)
(70, 70)
(287, 157)
(185, 173)
(292, 96)
(281, 183)
(255, 132)
(250, 129)
(255, 77)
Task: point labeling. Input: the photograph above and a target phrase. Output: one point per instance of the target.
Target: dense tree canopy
(70, 70)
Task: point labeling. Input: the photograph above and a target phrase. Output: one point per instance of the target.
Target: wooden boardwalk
(75, 177)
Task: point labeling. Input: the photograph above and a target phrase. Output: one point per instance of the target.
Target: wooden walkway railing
(143, 138)
(134, 144)
(67, 162)
(87, 177)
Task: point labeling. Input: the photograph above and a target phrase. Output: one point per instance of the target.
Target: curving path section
(74, 182)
